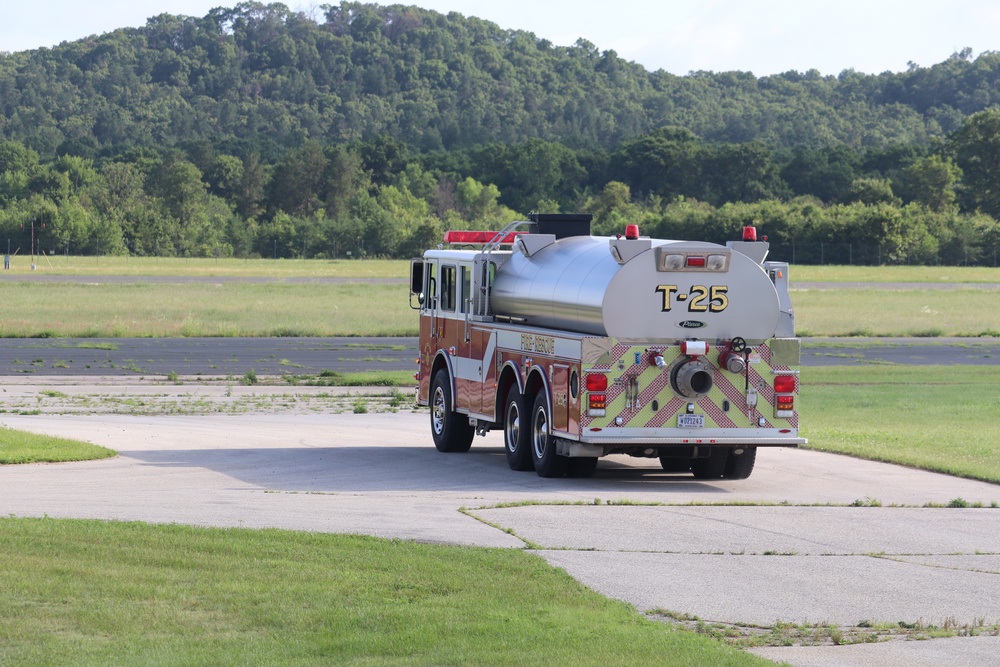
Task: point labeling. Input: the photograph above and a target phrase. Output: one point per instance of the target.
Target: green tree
(931, 181)
(296, 186)
(826, 173)
(871, 191)
(667, 163)
(977, 152)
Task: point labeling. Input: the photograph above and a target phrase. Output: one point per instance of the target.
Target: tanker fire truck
(579, 347)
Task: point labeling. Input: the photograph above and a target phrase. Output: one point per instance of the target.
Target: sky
(680, 36)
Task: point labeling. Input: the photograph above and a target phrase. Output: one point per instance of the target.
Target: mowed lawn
(95, 593)
(282, 308)
(941, 418)
(142, 309)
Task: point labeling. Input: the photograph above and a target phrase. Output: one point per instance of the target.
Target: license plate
(690, 421)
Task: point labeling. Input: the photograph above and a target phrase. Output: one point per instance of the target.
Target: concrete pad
(947, 652)
(378, 474)
(756, 530)
(762, 590)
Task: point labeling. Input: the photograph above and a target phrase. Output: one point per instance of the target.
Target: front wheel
(451, 431)
(543, 445)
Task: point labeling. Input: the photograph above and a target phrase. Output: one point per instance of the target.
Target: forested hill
(267, 75)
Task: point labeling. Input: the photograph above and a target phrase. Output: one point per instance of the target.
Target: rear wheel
(516, 440)
(452, 431)
(543, 446)
(740, 465)
(712, 466)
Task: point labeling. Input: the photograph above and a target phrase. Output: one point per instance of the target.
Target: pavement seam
(528, 544)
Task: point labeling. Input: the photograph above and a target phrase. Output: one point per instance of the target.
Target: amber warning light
(784, 405)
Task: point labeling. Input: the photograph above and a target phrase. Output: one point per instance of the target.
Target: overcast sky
(760, 36)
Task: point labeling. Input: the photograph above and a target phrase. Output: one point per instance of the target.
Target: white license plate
(690, 421)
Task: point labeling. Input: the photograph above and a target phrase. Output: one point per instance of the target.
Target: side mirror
(416, 276)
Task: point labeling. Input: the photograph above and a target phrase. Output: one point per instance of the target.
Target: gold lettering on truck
(540, 344)
(699, 299)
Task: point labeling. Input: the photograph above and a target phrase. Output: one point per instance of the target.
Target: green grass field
(872, 312)
(74, 265)
(940, 418)
(93, 593)
(894, 274)
(23, 447)
(195, 309)
(32, 308)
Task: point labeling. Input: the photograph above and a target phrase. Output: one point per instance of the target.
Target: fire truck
(579, 347)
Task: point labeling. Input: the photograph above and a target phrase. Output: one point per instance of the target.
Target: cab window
(449, 288)
(466, 304)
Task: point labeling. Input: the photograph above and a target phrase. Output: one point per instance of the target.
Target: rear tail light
(597, 400)
(784, 400)
(784, 384)
(695, 261)
(597, 382)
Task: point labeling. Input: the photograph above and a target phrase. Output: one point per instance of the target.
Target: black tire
(451, 431)
(675, 464)
(581, 467)
(739, 466)
(543, 445)
(713, 466)
(516, 439)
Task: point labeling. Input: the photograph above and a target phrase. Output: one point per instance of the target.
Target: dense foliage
(368, 129)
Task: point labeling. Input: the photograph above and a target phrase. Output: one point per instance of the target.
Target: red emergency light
(784, 384)
(749, 233)
(597, 382)
(460, 237)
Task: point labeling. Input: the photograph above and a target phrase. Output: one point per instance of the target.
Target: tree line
(258, 131)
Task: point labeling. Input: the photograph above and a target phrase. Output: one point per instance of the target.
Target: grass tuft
(18, 447)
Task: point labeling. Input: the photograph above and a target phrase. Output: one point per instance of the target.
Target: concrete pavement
(790, 558)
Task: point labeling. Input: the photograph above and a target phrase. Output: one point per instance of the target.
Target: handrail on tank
(488, 249)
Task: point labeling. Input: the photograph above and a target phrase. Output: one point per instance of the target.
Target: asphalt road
(801, 555)
(311, 356)
(281, 356)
